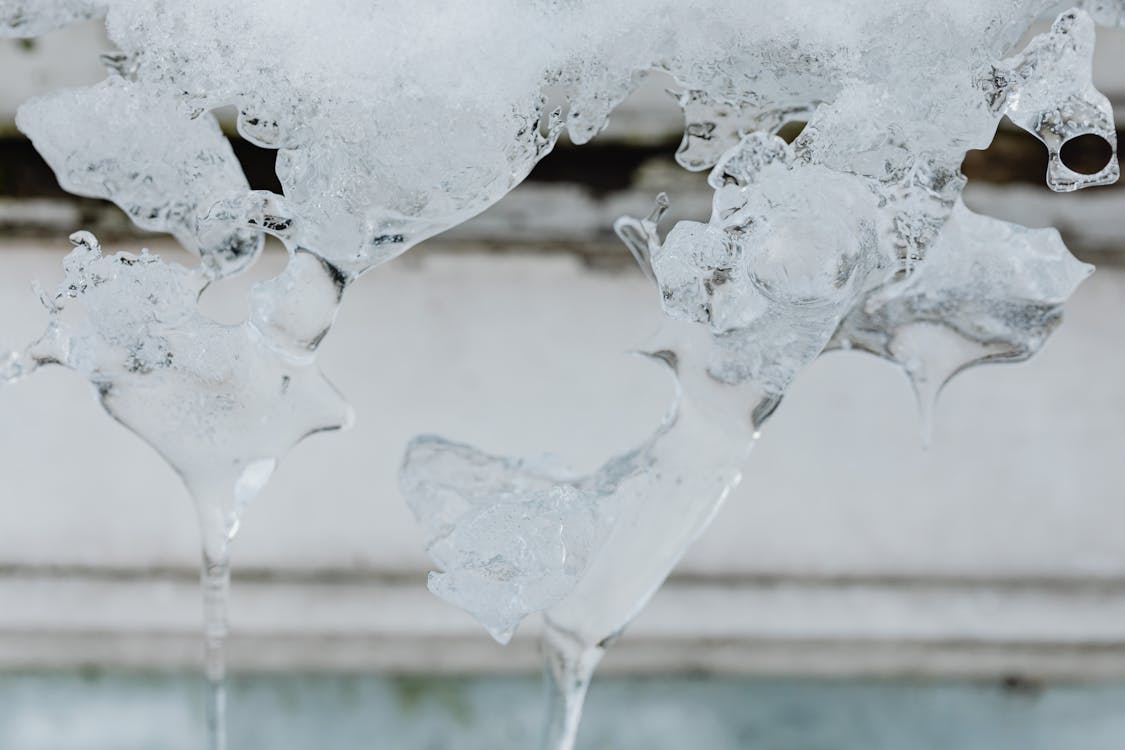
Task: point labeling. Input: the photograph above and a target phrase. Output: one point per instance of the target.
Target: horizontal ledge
(780, 628)
(1106, 584)
(633, 656)
(566, 218)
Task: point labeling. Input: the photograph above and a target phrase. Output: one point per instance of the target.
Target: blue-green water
(133, 712)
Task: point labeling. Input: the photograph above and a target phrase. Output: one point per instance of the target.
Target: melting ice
(396, 120)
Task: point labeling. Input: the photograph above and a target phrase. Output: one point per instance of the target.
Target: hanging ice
(396, 120)
(100, 143)
(989, 291)
(853, 235)
(221, 403)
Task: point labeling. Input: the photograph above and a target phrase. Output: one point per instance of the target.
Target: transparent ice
(396, 120)
(98, 142)
(852, 236)
(220, 403)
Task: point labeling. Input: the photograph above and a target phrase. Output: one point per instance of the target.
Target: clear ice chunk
(852, 235)
(988, 291)
(509, 540)
(512, 539)
(219, 402)
(1048, 91)
(143, 149)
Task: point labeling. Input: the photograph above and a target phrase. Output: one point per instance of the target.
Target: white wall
(998, 549)
(847, 550)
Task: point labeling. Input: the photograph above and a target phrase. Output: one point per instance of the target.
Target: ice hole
(1086, 154)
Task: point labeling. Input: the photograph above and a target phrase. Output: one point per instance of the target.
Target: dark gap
(1086, 154)
(259, 164)
(790, 130)
(602, 168)
(1022, 685)
(1013, 156)
(24, 174)
(605, 168)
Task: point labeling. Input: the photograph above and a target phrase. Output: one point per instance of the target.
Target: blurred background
(857, 591)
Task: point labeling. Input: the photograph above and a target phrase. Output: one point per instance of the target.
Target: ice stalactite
(852, 236)
(989, 290)
(221, 403)
(588, 552)
(394, 121)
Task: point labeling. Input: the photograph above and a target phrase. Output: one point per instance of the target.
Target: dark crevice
(1013, 156)
(601, 168)
(1016, 156)
(259, 164)
(1086, 154)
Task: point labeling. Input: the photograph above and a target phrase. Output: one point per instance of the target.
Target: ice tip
(84, 238)
(926, 429)
(926, 398)
(9, 365)
(501, 629)
(503, 636)
(420, 445)
(659, 208)
(347, 420)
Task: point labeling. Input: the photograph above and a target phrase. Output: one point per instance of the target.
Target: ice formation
(98, 141)
(853, 236)
(395, 120)
(221, 403)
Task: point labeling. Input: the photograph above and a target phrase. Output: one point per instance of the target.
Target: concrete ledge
(847, 550)
(857, 628)
(568, 219)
